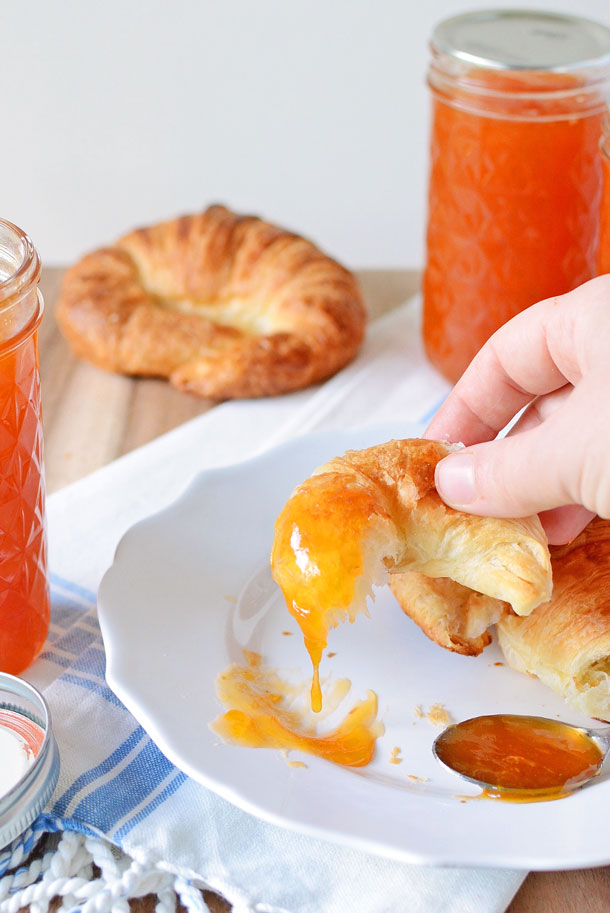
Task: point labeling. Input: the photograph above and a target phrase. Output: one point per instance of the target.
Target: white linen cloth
(114, 781)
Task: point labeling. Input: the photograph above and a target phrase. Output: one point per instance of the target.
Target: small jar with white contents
(29, 759)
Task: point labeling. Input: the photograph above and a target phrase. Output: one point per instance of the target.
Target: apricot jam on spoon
(522, 758)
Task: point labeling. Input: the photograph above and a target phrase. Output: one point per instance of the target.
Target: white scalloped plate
(190, 588)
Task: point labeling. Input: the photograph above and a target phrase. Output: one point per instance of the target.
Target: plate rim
(233, 794)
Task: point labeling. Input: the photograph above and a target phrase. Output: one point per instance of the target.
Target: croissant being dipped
(374, 513)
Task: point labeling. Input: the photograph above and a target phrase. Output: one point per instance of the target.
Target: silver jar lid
(523, 40)
(27, 798)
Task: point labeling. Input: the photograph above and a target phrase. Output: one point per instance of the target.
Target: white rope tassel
(20, 849)
(191, 897)
(167, 901)
(67, 872)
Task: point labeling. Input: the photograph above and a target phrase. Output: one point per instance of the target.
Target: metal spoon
(561, 744)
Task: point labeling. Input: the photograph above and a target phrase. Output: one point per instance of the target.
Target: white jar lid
(523, 40)
(26, 799)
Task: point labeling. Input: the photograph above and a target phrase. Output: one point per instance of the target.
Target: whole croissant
(223, 305)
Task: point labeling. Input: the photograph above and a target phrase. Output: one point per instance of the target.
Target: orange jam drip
(317, 558)
(261, 716)
(521, 758)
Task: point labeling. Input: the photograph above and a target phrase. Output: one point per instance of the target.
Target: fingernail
(455, 478)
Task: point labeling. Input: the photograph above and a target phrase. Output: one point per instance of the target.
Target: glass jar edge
(27, 273)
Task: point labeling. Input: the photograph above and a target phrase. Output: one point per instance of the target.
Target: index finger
(529, 356)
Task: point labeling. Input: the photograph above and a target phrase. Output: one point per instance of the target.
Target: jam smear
(262, 715)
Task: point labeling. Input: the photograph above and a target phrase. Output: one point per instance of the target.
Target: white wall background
(313, 113)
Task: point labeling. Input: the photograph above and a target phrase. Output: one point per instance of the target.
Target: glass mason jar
(603, 263)
(23, 710)
(515, 174)
(24, 591)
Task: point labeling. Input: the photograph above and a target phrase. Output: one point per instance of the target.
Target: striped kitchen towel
(114, 782)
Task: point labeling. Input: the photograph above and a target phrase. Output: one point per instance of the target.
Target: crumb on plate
(438, 715)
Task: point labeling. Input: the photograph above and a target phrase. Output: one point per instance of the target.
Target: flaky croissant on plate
(566, 642)
(375, 512)
(453, 616)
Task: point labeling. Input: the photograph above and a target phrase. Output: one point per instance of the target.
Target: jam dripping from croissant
(317, 558)
(261, 716)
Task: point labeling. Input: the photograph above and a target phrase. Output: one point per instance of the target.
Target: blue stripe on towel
(76, 640)
(72, 587)
(85, 779)
(90, 621)
(64, 614)
(93, 662)
(172, 787)
(52, 657)
(106, 805)
(66, 611)
(69, 601)
(90, 685)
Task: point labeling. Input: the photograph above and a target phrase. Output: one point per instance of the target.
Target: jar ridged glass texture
(514, 197)
(24, 591)
(603, 263)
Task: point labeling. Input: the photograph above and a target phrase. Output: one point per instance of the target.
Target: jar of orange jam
(603, 263)
(515, 176)
(24, 592)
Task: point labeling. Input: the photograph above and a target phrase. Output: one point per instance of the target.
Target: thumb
(513, 476)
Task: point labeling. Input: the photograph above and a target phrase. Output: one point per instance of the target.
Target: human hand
(555, 356)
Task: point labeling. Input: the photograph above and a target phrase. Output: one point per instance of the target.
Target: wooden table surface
(91, 417)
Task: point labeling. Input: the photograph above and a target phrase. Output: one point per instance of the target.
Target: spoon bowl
(522, 758)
